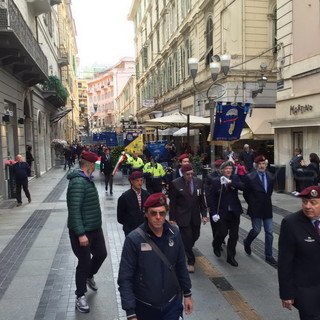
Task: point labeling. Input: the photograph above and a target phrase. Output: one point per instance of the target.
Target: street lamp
(218, 64)
(262, 81)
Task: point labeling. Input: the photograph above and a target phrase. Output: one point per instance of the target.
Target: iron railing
(12, 20)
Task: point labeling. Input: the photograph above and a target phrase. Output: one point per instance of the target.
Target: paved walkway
(37, 265)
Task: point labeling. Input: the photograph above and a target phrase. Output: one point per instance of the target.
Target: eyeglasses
(155, 213)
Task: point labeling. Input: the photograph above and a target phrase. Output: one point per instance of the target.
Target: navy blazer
(229, 200)
(299, 263)
(259, 201)
(128, 212)
(186, 208)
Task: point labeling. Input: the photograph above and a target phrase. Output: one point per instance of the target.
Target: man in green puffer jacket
(84, 223)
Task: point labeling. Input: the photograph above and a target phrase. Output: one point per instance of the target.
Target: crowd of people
(161, 232)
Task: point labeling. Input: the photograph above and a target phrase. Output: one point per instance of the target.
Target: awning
(183, 132)
(167, 132)
(259, 123)
(59, 115)
(297, 123)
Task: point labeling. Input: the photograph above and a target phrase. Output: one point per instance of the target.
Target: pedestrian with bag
(153, 274)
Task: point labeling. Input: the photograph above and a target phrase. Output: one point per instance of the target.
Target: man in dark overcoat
(225, 210)
(130, 203)
(257, 193)
(299, 257)
(187, 209)
(106, 168)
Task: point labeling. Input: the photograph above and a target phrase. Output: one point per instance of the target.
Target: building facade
(102, 93)
(32, 96)
(297, 122)
(168, 33)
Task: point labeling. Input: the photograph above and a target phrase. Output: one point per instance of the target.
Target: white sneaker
(82, 305)
(92, 284)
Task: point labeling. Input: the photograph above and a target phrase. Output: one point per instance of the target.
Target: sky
(104, 34)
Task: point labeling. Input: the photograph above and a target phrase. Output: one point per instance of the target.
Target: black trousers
(190, 235)
(108, 177)
(223, 227)
(24, 185)
(154, 185)
(90, 258)
(306, 316)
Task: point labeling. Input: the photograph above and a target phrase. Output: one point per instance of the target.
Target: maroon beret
(312, 192)
(183, 156)
(135, 175)
(259, 158)
(89, 156)
(186, 167)
(218, 163)
(155, 200)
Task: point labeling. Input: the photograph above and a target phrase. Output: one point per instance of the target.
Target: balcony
(54, 92)
(63, 59)
(20, 53)
(39, 6)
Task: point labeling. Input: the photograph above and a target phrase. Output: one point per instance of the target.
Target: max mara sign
(299, 109)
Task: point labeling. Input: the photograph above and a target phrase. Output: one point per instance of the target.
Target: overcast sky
(104, 34)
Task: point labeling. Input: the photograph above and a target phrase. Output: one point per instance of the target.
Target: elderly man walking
(257, 192)
(299, 257)
(187, 207)
(21, 171)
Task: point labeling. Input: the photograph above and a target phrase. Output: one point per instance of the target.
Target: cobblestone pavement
(37, 265)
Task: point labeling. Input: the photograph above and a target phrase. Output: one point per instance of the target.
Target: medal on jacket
(171, 243)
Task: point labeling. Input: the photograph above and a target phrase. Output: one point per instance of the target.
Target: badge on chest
(145, 247)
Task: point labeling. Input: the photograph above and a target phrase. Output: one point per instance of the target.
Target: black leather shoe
(233, 262)
(217, 252)
(247, 248)
(272, 261)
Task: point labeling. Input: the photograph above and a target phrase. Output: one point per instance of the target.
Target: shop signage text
(300, 109)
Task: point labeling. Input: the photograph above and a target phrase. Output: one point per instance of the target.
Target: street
(37, 264)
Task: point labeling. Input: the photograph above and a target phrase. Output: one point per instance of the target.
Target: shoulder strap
(161, 255)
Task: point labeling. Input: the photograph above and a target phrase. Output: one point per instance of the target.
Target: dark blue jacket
(21, 171)
(144, 276)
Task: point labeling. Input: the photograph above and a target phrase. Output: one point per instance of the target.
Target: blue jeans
(256, 228)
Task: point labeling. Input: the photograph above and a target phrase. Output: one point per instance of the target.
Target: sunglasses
(155, 213)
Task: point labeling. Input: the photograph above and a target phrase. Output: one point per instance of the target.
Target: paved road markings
(236, 301)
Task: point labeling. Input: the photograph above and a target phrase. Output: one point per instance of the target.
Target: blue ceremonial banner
(111, 138)
(156, 148)
(229, 121)
(98, 137)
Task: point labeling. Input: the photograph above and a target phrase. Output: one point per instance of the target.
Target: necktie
(189, 187)
(316, 224)
(263, 180)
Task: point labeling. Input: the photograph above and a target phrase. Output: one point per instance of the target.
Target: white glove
(224, 180)
(215, 218)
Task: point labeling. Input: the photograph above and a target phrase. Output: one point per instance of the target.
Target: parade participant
(187, 206)
(154, 175)
(29, 156)
(225, 210)
(208, 183)
(106, 168)
(84, 223)
(149, 285)
(135, 163)
(247, 156)
(182, 160)
(257, 193)
(21, 172)
(299, 258)
(130, 203)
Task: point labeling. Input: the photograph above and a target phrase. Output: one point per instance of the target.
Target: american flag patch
(145, 247)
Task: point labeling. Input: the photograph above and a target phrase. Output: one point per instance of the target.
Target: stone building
(168, 33)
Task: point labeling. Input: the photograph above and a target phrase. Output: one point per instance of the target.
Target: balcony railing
(20, 52)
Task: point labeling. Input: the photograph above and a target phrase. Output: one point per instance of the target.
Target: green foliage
(55, 84)
(115, 154)
(196, 163)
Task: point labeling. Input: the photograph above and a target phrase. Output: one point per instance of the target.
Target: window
(183, 63)
(145, 57)
(176, 68)
(274, 30)
(170, 74)
(188, 46)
